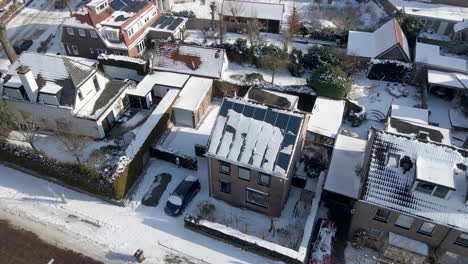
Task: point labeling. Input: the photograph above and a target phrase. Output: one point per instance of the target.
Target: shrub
(185, 13)
(330, 81)
(390, 71)
(326, 33)
(205, 211)
(318, 56)
(237, 52)
(263, 51)
(295, 63)
(254, 77)
(359, 239)
(179, 159)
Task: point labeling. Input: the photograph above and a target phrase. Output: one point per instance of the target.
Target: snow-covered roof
(255, 136)
(371, 45)
(193, 93)
(411, 129)
(326, 117)
(389, 187)
(434, 11)
(448, 79)
(408, 244)
(347, 157)
(115, 57)
(430, 55)
(169, 79)
(193, 60)
(259, 10)
(417, 115)
(460, 26)
(435, 172)
(64, 71)
(51, 88)
(95, 3)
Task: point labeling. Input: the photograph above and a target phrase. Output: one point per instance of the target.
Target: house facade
(109, 27)
(252, 153)
(73, 96)
(415, 188)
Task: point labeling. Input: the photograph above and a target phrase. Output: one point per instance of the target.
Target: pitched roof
(259, 10)
(61, 70)
(389, 187)
(193, 60)
(255, 136)
(372, 45)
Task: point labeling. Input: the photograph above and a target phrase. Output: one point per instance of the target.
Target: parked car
(323, 246)
(182, 195)
(2, 10)
(22, 45)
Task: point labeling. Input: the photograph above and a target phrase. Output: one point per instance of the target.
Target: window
(141, 47)
(70, 31)
(264, 179)
(374, 233)
(80, 95)
(75, 50)
(257, 197)
(112, 35)
(99, 51)
(462, 240)
(441, 192)
(101, 7)
(130, 32)
(382, 215)
(91, 51)
(427, 228)
(393, 160)
(404, 221)
(69, 50)
(93, 34)
(225, 168)
(96, 84)
(225, 186)
(81, 32)
(425, 187)
(244, 174)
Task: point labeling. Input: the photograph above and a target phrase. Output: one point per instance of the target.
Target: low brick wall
(192, 224)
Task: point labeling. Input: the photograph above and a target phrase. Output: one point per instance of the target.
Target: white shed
(193, 102)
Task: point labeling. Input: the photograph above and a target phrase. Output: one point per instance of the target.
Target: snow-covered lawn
(373, 95)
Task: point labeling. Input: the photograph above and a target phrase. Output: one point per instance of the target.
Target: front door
(108, 122)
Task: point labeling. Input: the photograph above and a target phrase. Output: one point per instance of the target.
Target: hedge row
(78, 175)
(179, 159)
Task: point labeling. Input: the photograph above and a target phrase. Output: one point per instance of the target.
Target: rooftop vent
(406, 164)
(423, 135)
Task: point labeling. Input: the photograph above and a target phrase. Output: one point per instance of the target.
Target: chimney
(423, 136)
(10, 52)
(28, 81)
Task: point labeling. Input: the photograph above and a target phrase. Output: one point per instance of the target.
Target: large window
(404, 221)
(225, 186)
(81, 32)
(257, 197)
(425, 187)
(264, 179)
(462, 240)
(224, 168)
(75, 50)
(382, 215)
(244, 174)
(427, 228)
(141, 47)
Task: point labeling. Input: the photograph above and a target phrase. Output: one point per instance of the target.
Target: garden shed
(193, 102)
(325, 121)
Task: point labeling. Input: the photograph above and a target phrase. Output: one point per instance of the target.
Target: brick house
(413, 188)
(110, 27)
(252, 153)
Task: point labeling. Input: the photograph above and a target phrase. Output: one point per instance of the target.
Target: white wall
(122, 73)
(13, 93)
(182, 117)
(49, 99)
(88, 90)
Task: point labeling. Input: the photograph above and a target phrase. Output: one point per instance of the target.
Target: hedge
(390, 71)
(179, 159)
(74, 174)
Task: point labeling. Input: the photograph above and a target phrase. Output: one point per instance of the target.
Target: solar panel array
(289, 124)
(160, 20)
(134, 6)
(175, 24)
(119, 4)
(167, 21)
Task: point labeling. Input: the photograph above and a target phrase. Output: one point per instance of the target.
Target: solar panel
(160, 20)
(238, 107)
(167, 22)
(259, 114)
(293, 125)
(175, 24)
(283, 161)
(134, 6)
(248, 111)
(271, 117)
(117, 4)
(282, 121)
(225, 107)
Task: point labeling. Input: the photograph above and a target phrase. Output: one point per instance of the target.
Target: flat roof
(193, 93)
(255, 136)
(436, 11)
(435, 172)
(411, 129)
(389, 187)
(348, 154)
(51, 88)
(326, 117)
(158, 78)
(430, 55)
(447, 79)
(417, 115)
(258, 10)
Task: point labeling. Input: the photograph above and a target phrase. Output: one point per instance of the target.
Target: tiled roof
(390, 187)
(255, 136)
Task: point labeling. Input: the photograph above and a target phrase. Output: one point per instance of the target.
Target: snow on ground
(360, 256)
(373, 95)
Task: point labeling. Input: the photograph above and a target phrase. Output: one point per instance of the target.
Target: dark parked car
(22, 45)
(182, 195)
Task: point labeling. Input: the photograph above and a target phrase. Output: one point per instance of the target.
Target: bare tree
(73, 143)
(221, 27)
(234, 9)
(346, 18)
(213, 13)
(273, 63)
(253, 29)
(28, 131)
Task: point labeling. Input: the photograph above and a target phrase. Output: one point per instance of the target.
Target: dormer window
(393, 160)
(102, 7)
(425, 187)
(434, 179)
(112, 35)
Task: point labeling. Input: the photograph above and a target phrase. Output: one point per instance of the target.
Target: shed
(325, 120)
(272, 98)
(412, 114)
(193, 102)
